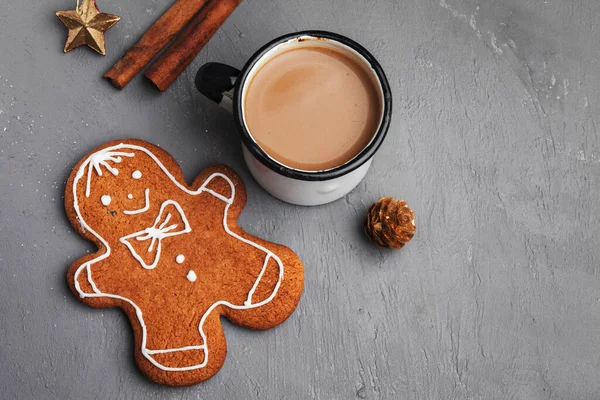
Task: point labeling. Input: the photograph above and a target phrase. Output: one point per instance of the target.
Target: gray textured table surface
(494, 143)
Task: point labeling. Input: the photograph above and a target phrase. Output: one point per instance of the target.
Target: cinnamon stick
(188, 44)
(153, 41)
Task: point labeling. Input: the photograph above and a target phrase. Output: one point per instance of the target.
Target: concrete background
(494, 143)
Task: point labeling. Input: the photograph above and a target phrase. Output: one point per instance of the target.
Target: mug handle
(217, 82)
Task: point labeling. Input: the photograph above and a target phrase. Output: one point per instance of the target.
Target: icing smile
(141, 210)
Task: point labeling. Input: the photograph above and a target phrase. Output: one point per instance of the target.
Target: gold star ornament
(87, 25)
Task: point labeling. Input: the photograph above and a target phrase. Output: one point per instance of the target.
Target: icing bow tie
(146, 244)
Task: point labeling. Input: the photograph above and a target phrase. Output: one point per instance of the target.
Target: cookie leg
(267, 283)
(275, 295)
(187, 366)
(180, 359)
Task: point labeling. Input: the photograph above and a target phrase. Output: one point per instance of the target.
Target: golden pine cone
(390, 223)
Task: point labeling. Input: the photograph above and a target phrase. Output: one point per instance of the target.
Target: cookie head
(113, 188)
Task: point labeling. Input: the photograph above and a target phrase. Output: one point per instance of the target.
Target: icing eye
(130, 196)
(136, 174)
(105, 200)
(180, 259)
(191, 276)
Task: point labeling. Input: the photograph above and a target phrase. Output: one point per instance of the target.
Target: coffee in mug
(312, 108)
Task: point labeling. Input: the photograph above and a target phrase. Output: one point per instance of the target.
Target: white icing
(100, 159)
(180, 259)
(147, 353)
(143, 209)
(156, 233)
(105, 200)
(130, 196)
(191, 276)
(92, 283)
(136, 174)
(248, 301)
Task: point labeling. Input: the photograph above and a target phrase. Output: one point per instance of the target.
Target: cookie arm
(83, 283)
(87, 281)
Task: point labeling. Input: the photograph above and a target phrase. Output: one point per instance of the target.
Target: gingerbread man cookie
(172, 256)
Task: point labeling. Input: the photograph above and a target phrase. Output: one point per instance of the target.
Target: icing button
(191, 276)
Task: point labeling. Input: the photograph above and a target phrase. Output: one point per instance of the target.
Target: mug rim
(365, 154)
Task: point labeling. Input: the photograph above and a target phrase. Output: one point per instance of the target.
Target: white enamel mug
(227, 86)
